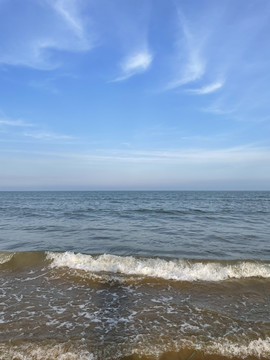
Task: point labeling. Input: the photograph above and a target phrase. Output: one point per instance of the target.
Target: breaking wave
(5, 257)
(176, 269)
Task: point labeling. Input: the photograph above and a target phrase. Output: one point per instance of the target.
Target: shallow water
(129, 275)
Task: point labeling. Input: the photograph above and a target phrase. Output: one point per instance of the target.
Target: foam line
(180, 270)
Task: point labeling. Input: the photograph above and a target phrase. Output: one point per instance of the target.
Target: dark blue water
(205, 225)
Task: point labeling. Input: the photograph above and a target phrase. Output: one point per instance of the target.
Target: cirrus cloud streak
(135, 64)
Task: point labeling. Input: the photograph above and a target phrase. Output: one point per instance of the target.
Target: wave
(256, 348)
(172, 212)
(144, 267)
(71, 350)
(175, 269)
(5, 257)
(21, 259)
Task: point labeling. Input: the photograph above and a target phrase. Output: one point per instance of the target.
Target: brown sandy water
(78, 306)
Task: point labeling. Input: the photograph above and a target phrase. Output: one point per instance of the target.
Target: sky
(134, 95)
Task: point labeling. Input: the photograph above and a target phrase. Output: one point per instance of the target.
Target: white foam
(181, 270)
(5, 257)
(257, 348)
(43, 352)
(246, 349)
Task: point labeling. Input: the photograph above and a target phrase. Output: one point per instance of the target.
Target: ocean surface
(135, 275)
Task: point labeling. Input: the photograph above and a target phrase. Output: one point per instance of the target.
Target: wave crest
(5, 257)
(179, 270)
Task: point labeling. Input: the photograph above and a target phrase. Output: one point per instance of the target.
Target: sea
(164, 275)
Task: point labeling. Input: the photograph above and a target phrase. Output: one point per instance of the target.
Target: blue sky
(137, 94)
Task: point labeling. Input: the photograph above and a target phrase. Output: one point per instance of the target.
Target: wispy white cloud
(208, 49)
(27, 129)
(239, 154)
(208, 89)
(47, 135)
(67, 9)
(191, 64)
(245, 155)
(138, 62)
(190, 72)
(134, 64)
(19, 123)
(219, 108)
(50, 25)
(71, 11)
(243, 167)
